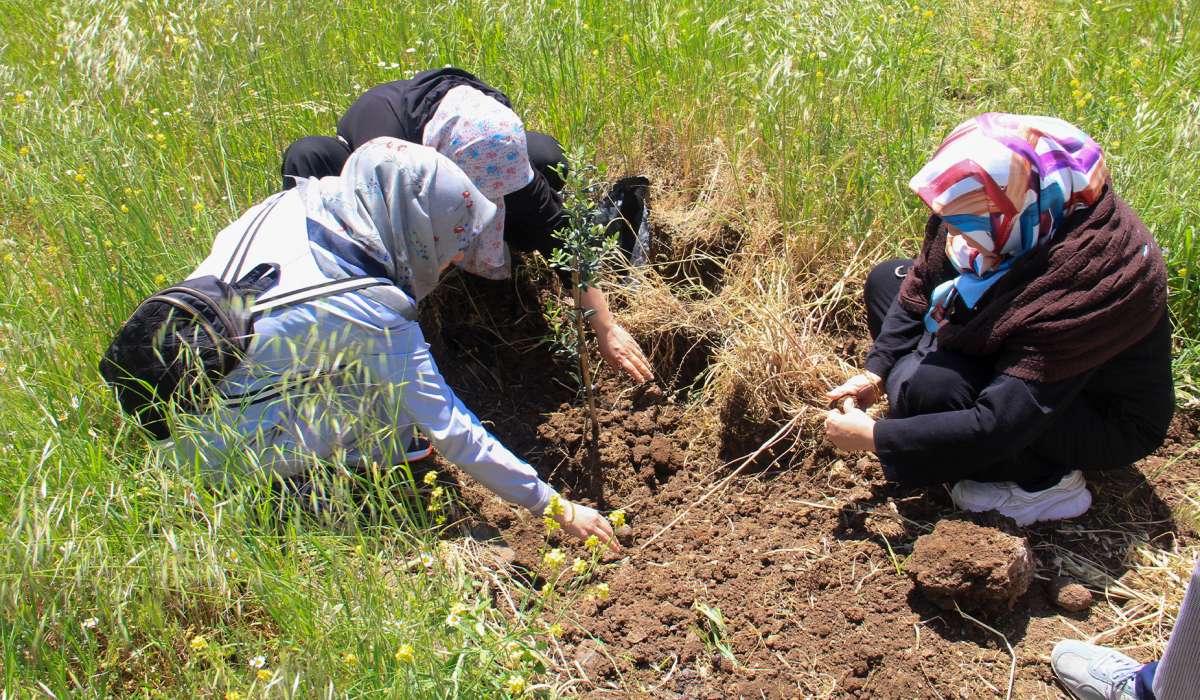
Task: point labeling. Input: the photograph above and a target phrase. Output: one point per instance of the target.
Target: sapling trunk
(585, 247)
(585, 375)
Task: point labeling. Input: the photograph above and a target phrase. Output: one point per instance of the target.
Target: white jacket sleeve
(457, 434)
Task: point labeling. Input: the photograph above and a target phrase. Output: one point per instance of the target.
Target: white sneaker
(1090, 672)
(1066, 499)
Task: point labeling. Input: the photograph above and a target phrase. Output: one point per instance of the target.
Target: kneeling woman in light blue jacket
(348, 376)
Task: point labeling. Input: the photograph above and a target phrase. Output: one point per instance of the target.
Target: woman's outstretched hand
(863, 388)
(849, 428)
(582, 522)
(622, 352)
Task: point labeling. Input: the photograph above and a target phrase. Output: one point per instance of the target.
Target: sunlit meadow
(130, 132)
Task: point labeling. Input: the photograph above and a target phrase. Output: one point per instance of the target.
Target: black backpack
(625, 211)
(180, 342)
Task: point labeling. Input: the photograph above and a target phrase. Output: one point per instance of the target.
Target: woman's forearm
(594, 301)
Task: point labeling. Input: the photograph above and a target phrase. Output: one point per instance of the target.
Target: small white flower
(410, 50)
(453, 619)
(426, 559)
(90, 623)
(258, 661)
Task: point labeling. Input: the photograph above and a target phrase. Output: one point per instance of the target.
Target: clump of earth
(1069, 595)
(973, 566)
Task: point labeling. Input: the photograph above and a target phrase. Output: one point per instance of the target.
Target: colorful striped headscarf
(1002, 184)
(487, 140)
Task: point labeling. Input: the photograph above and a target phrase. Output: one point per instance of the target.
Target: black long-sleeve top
(402, 108)
(1129, 406)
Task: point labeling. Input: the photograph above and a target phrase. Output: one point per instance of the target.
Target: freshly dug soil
(805, 560)
(971, 566)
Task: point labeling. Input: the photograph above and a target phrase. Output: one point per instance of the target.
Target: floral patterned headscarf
(406, 208)
(487, 140)
(1002, 184)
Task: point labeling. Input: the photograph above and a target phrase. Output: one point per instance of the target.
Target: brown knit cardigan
(1063, 308)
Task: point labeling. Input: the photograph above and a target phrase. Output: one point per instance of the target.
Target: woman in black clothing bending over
(473, 124)
(1029, 341)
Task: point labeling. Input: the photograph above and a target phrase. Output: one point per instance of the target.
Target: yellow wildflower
(198, 643)
(263, 675)
(430, 477)
(601, 590)
(232, 695)
(23, 151)
(80, 177)
(547, 588)
(555, 507)
(551, 524)
(554, 558)
(437, 492)
(579, 566)
(128, 191)
(592, 542)
(160, 279)
(515, 685)
(404, 654)
(124, 209)
(19, 98)
(198, 207)
(556, 630)
(617, 518)
(350, 659)
(928, 14)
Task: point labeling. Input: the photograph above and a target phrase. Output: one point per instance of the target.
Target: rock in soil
(974, 566)
(1069, 595)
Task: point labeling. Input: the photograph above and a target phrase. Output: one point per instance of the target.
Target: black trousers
(1119, 414)
(532, 213)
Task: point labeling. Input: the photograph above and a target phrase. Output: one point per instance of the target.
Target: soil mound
(975, 567)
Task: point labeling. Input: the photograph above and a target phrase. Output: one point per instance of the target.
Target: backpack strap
(242, 250)
(316, 291)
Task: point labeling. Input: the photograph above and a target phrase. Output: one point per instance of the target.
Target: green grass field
(130, 132)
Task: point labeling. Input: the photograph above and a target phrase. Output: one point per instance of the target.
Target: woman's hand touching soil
(582, 522)
(622, 352)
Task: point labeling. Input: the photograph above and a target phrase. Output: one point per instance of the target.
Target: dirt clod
(1069, 595)
(974, 566)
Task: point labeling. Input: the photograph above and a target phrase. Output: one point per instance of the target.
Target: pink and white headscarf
(487, 140)
(1002, 184)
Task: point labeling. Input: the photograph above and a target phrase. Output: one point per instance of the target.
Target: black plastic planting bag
(625, 211)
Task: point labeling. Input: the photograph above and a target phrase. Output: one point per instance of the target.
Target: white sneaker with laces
(1066, 499)
(1091, 672)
